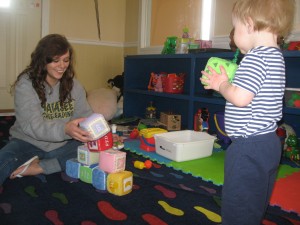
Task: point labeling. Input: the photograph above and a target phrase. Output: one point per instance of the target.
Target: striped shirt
(262, 72)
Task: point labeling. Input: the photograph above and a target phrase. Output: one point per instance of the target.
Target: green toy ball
(229, 66)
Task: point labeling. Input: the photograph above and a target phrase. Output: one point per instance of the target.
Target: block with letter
(120, 183)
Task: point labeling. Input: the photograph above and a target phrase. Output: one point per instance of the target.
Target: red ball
(148, 164)
(297, 103)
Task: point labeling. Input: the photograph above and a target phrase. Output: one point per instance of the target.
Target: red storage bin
(173, 83)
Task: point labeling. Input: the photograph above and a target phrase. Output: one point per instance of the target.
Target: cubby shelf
(137, 97)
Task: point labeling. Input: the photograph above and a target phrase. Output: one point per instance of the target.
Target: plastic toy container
(173, 83)
(184, 145)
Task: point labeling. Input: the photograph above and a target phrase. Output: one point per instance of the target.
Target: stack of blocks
(97, 163)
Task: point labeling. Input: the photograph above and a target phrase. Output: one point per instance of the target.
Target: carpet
(161, 195)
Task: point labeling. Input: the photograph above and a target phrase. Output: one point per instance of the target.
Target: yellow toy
(120, 183)
(141, 165)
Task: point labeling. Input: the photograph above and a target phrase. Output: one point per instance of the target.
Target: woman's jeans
(17, 152)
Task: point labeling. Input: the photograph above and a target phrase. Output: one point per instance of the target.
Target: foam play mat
(286, 193)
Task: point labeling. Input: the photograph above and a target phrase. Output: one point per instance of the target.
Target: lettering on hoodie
(55, 110)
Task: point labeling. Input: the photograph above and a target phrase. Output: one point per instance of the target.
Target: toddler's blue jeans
(250, 171)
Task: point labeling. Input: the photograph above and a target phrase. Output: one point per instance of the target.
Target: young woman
(49, 105)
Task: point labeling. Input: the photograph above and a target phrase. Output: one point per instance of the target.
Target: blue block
(73, 168)
(99, 179)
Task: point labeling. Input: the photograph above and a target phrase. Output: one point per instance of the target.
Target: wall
(131, 27)
(20, 30)
(223, 23)
(169, 17)
(96, 60)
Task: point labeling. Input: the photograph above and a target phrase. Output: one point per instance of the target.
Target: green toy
(292, 151)
(229, 66)
(170, 45)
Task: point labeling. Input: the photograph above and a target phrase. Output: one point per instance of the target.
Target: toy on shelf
(185, 33)
(170, 45)
(170, 83)
(174, 83)
(150, 111)
(294, 45)
(156, 82)
(170, 121)
(292, 97)
(229, 66)
(141, 165)
(186, 42)
(201, 120)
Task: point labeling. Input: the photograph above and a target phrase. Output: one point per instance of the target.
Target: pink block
(112, 161)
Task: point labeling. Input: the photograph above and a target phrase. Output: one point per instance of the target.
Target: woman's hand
(73, 130)
(214, 80)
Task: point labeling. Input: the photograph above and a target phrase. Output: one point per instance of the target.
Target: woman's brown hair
(47, 49)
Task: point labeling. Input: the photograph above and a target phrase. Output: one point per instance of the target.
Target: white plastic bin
(184, 145)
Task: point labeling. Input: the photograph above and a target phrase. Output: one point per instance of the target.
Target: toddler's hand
(213, 80)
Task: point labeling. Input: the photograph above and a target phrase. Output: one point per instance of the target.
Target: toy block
(215, 63)
(86, 173)
(96, 125)
(112, 161)
(99, 179)
(73, 168)
(120, 183)
(101, 144)
(87, 157)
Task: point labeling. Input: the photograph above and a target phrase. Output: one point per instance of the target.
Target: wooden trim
(7, 112)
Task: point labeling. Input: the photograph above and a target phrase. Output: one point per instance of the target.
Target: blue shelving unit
(137, 97)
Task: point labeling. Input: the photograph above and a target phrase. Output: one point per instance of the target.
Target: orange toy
(141, 165)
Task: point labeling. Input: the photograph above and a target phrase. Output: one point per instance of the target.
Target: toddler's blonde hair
(275, 16)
